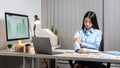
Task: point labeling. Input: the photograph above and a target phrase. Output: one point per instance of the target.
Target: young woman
(88, 37)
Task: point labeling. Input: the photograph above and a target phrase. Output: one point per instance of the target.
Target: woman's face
(87, 23)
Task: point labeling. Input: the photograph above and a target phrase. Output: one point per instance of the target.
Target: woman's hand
(81, 51)
(77, 40)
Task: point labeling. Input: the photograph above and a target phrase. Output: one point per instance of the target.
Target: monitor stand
(20, 42)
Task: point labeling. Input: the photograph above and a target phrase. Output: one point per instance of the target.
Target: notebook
(42, 45)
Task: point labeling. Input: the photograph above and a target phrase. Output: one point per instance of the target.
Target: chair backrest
(101, 48)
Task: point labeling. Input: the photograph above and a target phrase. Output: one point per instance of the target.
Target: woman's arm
(96, 43)
(78, 41)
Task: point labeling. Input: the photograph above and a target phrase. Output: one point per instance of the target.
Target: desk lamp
(36, 21)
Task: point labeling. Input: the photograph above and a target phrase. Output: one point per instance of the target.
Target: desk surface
(102, 57)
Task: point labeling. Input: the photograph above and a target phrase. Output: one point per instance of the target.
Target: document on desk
(90, 50)
(94, 55)
(116, 53)
(72, 51)
(63, 50)
(107, 56)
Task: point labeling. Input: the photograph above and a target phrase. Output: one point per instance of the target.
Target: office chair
(101, 48)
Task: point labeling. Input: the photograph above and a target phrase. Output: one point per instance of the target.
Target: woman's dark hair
(93, 19)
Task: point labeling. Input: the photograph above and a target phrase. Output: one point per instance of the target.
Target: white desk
(101, 57)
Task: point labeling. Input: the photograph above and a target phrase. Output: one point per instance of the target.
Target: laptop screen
(42, 45)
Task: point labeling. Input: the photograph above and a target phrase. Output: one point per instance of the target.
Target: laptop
(42, 45)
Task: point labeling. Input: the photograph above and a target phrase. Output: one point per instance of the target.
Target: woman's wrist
(76, 50)
(80, 43)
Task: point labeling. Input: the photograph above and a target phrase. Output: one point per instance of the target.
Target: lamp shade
(37, 20)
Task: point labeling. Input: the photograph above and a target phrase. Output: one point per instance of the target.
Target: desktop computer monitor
(17, 26)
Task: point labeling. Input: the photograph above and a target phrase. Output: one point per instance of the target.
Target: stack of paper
(90, 50)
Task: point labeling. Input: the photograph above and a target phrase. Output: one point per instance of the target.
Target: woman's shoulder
(79, 30)
(98, 31)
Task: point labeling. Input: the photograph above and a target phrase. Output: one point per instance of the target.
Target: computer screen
(17, 26)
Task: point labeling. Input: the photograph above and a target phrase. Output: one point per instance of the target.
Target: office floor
(115, 65)
(66, 65)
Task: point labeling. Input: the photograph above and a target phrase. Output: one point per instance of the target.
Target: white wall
(27, 7)
(112, 25)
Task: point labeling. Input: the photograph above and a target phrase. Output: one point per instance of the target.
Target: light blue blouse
(90, 39)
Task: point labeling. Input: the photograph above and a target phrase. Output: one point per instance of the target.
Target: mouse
(28, 44)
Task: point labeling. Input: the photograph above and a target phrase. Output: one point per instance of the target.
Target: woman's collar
(90, 30)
